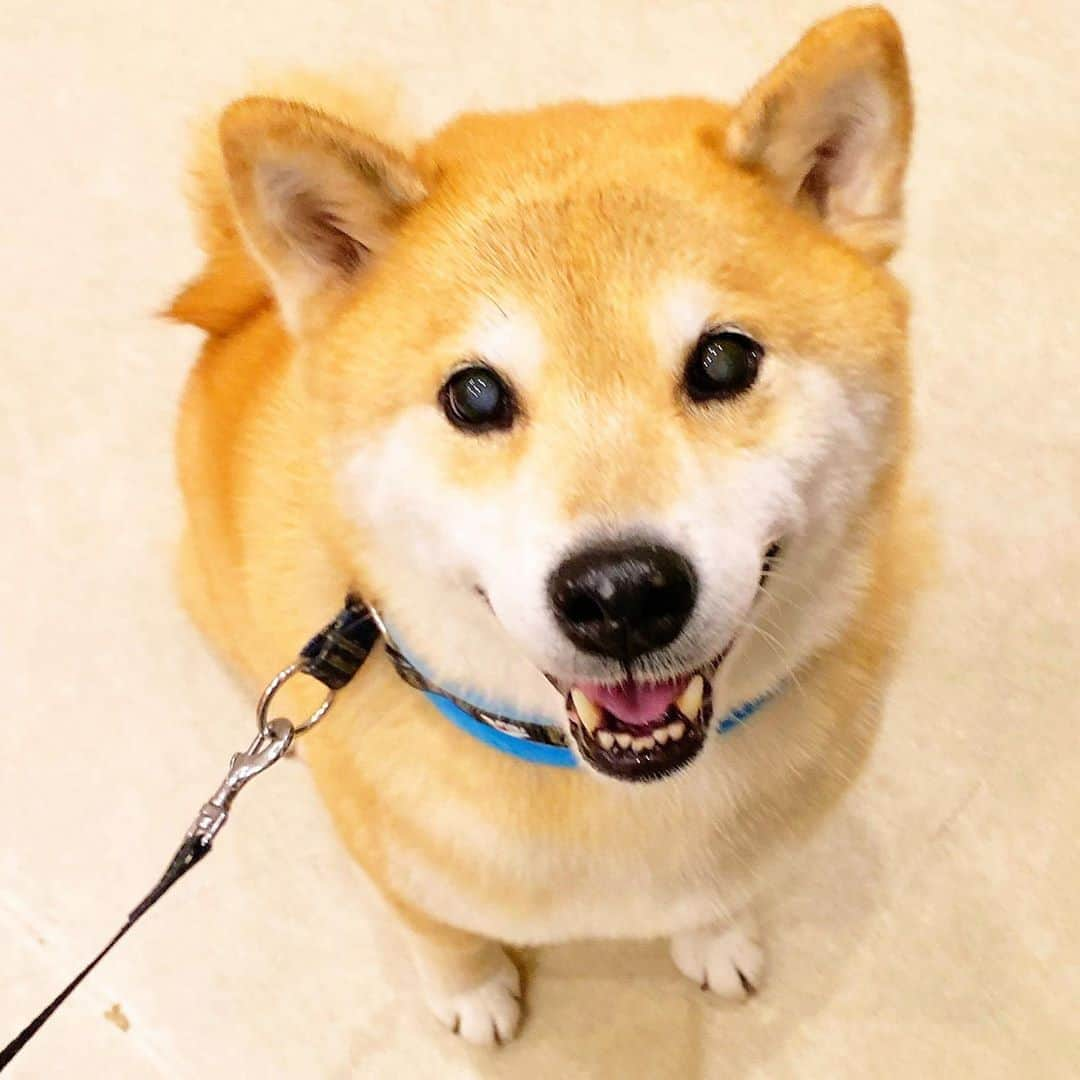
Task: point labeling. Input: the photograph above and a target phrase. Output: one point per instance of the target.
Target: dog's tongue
(636, 704)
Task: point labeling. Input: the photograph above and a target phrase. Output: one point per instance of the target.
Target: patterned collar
(529, 738)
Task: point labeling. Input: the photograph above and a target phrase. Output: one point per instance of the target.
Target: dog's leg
(469, 982)
(726, 958)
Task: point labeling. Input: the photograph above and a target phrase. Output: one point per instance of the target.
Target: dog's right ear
(316, 200)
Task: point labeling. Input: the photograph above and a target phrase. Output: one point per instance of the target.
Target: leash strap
(332, 657)
(190, 852)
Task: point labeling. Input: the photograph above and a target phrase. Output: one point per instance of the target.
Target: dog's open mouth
(648, 730)
(640, 730)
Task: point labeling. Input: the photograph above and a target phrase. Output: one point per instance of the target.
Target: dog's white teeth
(623, 739)
(676, 730)
(644, 743)
(689, 702)
(589, 715)
(606, 739)
(661, 735)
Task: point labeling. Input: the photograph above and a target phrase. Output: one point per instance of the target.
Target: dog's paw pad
(730, 961)
(486, 1014)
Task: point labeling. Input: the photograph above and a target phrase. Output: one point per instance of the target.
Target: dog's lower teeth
(588, 713)
(591, 718)
(689, 702)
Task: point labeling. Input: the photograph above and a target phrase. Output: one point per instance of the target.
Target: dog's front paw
(485, 1014)
(726, 959)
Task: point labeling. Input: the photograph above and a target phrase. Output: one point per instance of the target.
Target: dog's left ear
(831, 127)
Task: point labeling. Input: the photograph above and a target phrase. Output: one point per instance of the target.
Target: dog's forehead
(514, 332)
(614, 279)
(589, 273)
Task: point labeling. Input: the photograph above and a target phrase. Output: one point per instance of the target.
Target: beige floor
(937, 931)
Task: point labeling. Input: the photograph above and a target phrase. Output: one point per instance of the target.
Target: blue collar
(530, 738)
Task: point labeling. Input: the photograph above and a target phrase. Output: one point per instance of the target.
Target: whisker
(789, 582)
(776, 646)
(805, 606)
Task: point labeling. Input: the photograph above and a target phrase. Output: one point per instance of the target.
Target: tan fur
(464, 842)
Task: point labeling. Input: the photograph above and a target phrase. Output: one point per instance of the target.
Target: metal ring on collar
(275, 684)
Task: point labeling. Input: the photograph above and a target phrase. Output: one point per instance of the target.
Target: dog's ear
(831, 127)
(316, 200)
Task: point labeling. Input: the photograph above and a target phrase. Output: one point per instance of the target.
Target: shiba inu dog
(606, 410)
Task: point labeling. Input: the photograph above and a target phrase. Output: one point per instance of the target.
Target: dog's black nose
(623, 601)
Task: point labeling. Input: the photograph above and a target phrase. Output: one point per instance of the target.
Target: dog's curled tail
(232, 285)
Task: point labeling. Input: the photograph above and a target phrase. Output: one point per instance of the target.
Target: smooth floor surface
(934, 929)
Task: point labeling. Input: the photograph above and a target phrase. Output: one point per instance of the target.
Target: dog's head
(607, 390)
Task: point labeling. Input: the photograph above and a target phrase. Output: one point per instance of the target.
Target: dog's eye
(476, 399)
(724, 363)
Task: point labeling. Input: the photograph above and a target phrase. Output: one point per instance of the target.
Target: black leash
(333, 657)
(191, 851)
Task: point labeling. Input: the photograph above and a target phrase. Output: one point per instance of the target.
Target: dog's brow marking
(683, 309)
(511, 339)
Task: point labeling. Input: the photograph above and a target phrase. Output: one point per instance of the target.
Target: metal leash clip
(269, 746)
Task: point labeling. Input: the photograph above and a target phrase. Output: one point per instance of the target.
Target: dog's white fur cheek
(804, 487)
(845, 427)
(817, 591)
(434, 544)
